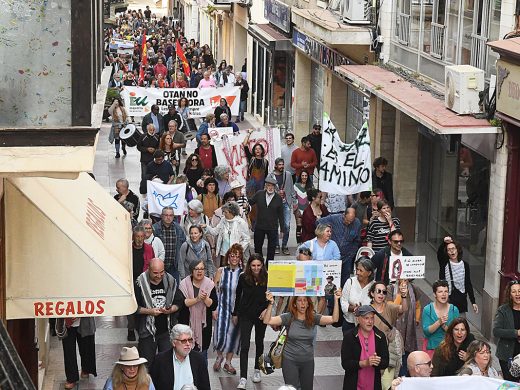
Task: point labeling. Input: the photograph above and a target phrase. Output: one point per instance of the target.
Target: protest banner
(407, 267)
(121, 46)
(230, 151)
(301, 278)
(216, 133)
(139, 100)
(473, 382)
(166, 195)
(344, 168)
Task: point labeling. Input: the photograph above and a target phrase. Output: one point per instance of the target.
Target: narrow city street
(111, 331)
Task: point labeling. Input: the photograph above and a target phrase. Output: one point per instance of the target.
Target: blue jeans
(287, 212)
(242, 109)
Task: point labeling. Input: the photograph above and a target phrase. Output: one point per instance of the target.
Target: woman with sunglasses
(193, 171)
(506, 329)
(390, 312)
(450, 355)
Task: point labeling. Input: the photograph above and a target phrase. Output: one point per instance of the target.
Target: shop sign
(278, 14)
(73, 308)
(508, 88)
(319, 51)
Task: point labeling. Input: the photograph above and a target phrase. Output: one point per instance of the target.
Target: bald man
(419, 364)
(159, 301)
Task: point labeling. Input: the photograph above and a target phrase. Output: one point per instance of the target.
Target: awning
(418, 105)
(270, 37)
(68, 251)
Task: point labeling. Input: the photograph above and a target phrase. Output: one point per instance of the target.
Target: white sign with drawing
(407, 267)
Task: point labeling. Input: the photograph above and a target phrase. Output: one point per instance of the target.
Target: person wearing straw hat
(129, 372)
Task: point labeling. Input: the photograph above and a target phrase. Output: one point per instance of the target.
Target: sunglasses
(185, 341)
(513, 282)
(384, 292)
(397, 241)
(425, 363)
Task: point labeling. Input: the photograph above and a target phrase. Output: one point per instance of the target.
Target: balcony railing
(437, 40)
(403, 28)
(478, 51)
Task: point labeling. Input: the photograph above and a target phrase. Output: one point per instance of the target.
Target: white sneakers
(256, 377)
(242, 384)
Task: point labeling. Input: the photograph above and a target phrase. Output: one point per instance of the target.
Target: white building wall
(507, 16)
(386, 15)
(495, 234)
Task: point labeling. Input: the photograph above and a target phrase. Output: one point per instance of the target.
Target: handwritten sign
(407, 267)
(230, 152)
(344, 168)
(301, 278)
(215, 133)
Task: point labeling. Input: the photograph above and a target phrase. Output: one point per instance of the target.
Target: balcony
(437, 40)
(403, 28)
(478, 51)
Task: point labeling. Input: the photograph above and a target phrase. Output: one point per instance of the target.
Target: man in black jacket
(155, 119)
(269, 215)
(373, 357)
(147, 145)
(381, 259)
(180, 365)
(381, 178)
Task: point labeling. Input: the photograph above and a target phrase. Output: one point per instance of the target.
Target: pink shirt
(366, 374)
(207, 83)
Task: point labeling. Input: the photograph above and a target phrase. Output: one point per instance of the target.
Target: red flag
(182, 57)
(144, 59)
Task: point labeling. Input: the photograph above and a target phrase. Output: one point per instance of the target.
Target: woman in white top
(355, 291)
(479, 360)
(149, 238)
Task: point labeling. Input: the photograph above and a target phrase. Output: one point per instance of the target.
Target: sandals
(218, 363)
(230, 369)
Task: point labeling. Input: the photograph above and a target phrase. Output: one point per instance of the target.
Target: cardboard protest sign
(301, 278)
(407, 267)
(344, 168)
(230, 151)
(215, 133)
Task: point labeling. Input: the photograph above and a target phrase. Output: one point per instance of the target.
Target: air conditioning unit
(463, 84)
(356, 11)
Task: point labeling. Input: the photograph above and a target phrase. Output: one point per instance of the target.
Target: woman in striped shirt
(379, 228)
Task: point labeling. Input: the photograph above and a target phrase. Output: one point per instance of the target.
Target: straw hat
(129, 356)
(236, 184)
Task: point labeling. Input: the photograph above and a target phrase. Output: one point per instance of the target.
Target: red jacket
(148, 255)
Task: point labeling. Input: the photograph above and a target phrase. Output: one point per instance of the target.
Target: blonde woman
(129, 372)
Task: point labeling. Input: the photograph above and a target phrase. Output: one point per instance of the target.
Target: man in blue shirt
(346, 232)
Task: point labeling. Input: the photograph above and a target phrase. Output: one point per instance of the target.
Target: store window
(357, 109)
(456, 181)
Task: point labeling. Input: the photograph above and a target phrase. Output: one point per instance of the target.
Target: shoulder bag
(457, 298)
(395, 345)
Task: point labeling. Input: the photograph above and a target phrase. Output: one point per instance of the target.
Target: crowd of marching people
(201, 278)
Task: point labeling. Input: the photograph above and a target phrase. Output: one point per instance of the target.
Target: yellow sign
(281, 276)
(508, 88)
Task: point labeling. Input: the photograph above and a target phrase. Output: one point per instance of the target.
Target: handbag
(395, 345)
(457, 298)
(277, 346)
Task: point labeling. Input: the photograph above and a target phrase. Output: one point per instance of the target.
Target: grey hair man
(172, 236)
(180, 365)
(244, 89)
(125, 194)
(225, 122)
(419, 364)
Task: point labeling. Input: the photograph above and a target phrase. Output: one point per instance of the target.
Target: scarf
(196, 247)
(366, 376)
(198, 310)
(143, 281)
(406, 322)
(131, 384)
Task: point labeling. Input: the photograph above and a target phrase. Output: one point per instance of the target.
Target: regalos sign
(75, 308)
(508, 88)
